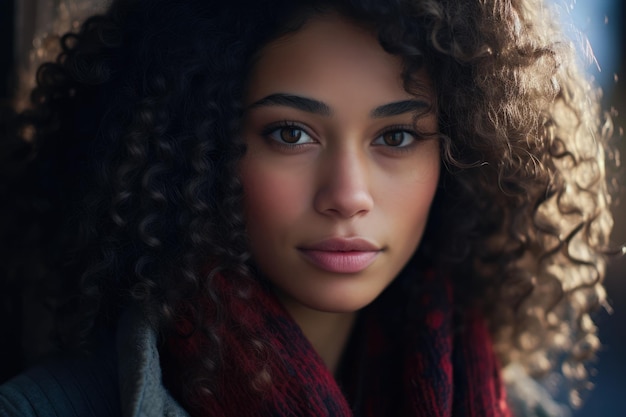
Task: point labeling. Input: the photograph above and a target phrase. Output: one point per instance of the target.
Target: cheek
(272, 197)
(416, 206)
(407, 199)
(423, 188)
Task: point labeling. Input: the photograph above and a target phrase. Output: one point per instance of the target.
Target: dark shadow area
(9, 304)
(7, 30)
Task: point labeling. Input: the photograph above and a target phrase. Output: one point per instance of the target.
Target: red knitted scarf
(409, 356)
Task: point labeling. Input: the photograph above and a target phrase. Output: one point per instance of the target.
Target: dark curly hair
(120, 185)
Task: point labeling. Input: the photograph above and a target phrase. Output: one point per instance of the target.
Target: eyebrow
(397, 108)
(317, 107)
(297, 102)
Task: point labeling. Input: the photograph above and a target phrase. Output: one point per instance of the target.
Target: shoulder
(72, 386)
(122, 377)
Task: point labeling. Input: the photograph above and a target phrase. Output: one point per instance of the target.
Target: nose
(344, 187)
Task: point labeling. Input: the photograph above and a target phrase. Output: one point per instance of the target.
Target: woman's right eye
(289, 135)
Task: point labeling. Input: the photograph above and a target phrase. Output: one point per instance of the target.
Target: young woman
(315, 208)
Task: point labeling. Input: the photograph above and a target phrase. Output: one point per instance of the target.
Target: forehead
(329, 56)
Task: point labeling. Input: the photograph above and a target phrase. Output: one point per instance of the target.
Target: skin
(340, 178)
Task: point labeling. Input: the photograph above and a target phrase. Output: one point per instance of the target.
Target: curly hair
(121, 179)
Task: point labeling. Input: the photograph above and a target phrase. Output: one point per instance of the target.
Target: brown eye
(290, 134)
(393, 138)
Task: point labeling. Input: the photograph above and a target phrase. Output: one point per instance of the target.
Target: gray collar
(142, 392)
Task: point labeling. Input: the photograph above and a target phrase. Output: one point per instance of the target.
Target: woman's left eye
(395, 138)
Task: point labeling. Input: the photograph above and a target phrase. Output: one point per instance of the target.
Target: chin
(338, 303)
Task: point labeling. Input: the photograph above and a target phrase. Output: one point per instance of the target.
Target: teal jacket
(121, 379)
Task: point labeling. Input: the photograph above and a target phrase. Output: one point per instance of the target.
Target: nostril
(344, 204)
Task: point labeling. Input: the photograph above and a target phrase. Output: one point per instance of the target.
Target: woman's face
(337, 181)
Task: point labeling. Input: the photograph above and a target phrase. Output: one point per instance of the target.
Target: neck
(327, 332)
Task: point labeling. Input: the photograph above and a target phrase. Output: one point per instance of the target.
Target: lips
(341, 255)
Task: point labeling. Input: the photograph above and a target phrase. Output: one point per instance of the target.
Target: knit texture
(409, 355)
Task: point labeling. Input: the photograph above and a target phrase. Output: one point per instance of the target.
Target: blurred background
(28, 30)
(603, 23)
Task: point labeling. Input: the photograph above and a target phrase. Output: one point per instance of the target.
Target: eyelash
(400, 128)
(268, 130)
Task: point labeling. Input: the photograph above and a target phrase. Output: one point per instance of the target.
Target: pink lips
(341, 255)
